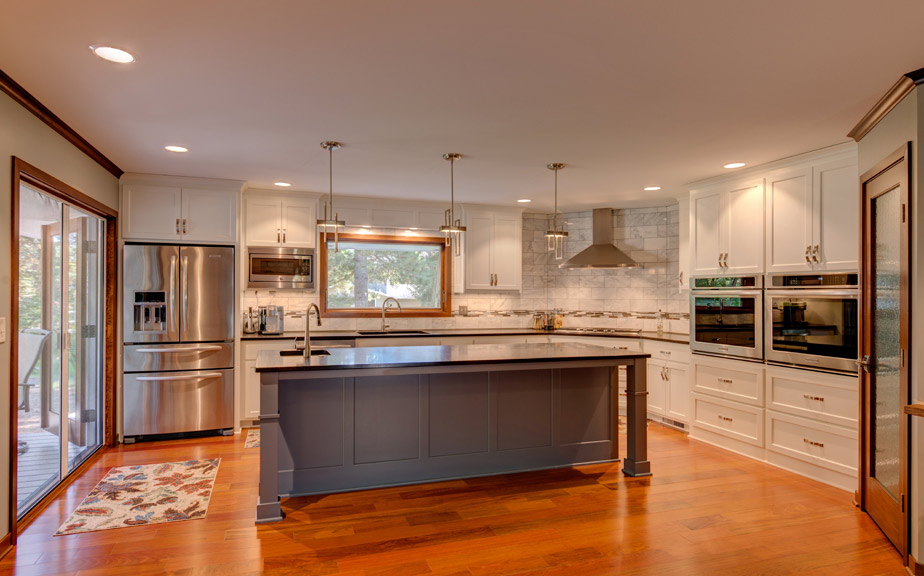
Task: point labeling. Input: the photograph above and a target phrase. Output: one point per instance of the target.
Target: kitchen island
(361, 418)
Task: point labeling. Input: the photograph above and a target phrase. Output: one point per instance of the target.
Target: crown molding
(21, 96)
(889, 100)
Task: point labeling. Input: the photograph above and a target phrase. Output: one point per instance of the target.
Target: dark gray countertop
(413, 356)
(352, 335)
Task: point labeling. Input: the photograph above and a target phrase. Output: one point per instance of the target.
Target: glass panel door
(62, 291)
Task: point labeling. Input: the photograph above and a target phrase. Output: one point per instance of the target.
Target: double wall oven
(726, 316)
(811, 320)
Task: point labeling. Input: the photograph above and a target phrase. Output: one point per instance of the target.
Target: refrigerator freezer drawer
(178, 356)
(171, 402)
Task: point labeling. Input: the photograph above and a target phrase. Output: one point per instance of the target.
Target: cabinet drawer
(826, 445)
(826, 397)
(667, 351)
(731, 419)
(251, 348)
(727, 380)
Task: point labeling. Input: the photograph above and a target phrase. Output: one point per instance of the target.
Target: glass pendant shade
(556, 233)
(331, 222)
(452, 227)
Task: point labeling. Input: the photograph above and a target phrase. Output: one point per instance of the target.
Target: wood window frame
(445, 278)
(25, 173)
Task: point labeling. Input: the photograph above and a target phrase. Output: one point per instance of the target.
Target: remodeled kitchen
(469, 346)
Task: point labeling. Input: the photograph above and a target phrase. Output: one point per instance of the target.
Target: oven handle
(812, 294)
(725, 293)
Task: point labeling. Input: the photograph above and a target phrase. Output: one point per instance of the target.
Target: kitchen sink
(293, 352)
(386, 332)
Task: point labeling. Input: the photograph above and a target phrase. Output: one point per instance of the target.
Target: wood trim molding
(445, 264)
(38, 177)
(21, 96)
(889, 100)
(6, 544)
(914, 567)
(916, 409)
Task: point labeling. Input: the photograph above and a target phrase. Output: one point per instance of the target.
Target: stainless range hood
(602, 253)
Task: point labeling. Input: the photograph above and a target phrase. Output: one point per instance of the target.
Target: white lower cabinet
(668, 382)
(800, 420)
(250, 382)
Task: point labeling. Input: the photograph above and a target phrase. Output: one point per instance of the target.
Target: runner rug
(142, 495)
(253, 439)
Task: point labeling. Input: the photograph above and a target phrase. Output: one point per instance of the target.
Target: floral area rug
(142, 495)
(253, 439)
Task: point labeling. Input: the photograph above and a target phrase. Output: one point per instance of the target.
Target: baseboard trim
(6, 544)
(914, 567)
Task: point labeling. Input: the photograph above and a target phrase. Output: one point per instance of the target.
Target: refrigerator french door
(178, 357)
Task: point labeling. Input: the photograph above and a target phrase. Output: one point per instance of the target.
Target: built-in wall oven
(726, 315)
(811, 320)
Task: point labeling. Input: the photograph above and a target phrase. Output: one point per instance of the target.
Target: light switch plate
(2, 330)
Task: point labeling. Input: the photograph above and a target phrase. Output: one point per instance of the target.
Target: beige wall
(905, 123)
(26, 137)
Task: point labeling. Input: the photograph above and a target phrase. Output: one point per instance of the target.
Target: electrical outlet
(2, 330)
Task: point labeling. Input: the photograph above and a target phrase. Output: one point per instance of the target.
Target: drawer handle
(813, 443)
(810, 397)
(724, 380)
(666, 352)
(622, 347)
(623, 393)
(725, 418)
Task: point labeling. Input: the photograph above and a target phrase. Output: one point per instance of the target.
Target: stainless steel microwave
(272, 267)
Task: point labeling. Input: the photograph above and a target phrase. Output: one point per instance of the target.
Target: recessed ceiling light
(366, 226)
(281, 184)
(734, 165)
(113, 54)
(524, 200)
(173, 148)
(651, 188)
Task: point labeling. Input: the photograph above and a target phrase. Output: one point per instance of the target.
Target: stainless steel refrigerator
(178, 339)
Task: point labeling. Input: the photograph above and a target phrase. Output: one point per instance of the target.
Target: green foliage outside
(360, 274)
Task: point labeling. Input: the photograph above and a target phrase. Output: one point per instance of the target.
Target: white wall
(905, 123)
(26, 137)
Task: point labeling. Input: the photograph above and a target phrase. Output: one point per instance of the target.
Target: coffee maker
(272, 319)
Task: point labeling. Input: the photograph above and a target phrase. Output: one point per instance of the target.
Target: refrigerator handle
(172, 314)
(184, 272)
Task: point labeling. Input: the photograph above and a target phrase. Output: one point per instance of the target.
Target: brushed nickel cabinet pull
(725, 418)
(177, 225)
(283, 235)
(810, 397)
(815, 257)
(724, 380)
(720, 259)
(812, 443)
(184, 225)
(278, 235)
(665, 352)
(808, 254)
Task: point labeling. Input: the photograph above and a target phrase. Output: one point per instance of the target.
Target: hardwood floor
(705, 511)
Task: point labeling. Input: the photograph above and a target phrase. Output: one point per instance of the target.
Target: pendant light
(332, 221)
(452, 228)
(556, 234)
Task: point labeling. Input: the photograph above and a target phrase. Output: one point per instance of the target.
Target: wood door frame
(25, 173)
(903, 153)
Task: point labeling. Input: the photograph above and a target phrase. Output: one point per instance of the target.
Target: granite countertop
(352, 335)
(413, 356)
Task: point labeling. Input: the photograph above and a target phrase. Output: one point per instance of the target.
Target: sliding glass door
(59, 341)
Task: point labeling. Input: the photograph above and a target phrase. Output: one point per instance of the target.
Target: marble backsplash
(598, 298)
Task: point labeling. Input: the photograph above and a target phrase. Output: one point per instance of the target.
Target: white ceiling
(626, 93)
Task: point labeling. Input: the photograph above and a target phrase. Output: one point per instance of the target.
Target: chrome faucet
(317, 311)
(384, 307)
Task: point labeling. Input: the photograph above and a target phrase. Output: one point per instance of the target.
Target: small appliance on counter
(272, 320)
(251, 322)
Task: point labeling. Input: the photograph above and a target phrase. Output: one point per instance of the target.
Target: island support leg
(636, 462)
(269, 508)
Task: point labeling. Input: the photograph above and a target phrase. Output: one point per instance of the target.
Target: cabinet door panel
(789, 220)
(251, 399)
(263, 225)
(478, 239)
(707, 210)
(151, 212)
(744, 244)
(657, 384)
(837, 215)
(678, 393)
(298, 223)
(210, 215)
(508, 250)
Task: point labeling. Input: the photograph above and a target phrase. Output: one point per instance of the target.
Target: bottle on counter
(660, 323)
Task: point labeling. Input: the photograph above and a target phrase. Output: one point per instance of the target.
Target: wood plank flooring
(705, 511)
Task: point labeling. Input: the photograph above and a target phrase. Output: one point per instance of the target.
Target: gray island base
(365, 418)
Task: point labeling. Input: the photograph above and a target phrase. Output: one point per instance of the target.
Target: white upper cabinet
(813, 217)
(179, 209)
(493, 250)
(273, 221)
(727, 224)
